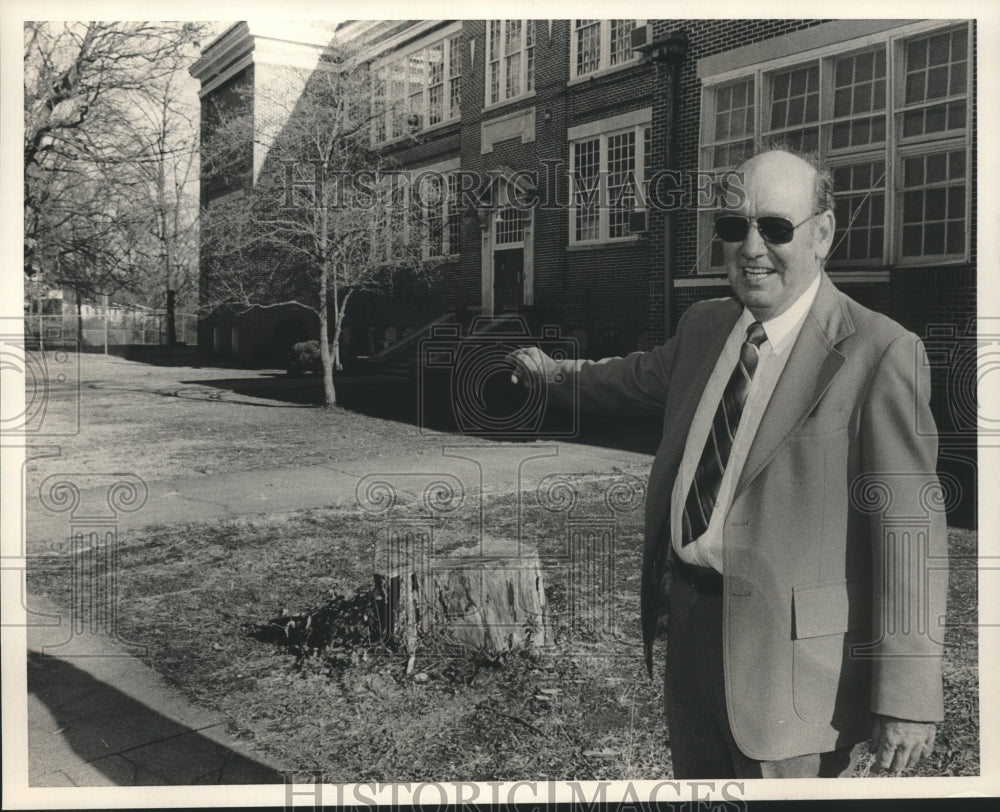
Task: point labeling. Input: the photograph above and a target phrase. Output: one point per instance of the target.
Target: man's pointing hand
(530, 363)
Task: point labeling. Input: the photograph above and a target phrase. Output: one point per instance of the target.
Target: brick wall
(604, 292)
(621, 287)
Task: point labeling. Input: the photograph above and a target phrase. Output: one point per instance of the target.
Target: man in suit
(793, 630)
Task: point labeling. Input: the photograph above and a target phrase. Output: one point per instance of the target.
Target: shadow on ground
(127, 741)
(498, 410)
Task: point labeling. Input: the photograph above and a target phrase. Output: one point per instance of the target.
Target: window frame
(525, 221)
(604, 59)
(525, 77)
(446, 212)
(382, 72)
(892, 152)
(640, 124)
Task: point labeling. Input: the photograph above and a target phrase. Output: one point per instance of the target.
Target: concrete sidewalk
(102, 718)
(472, 468)
(105, 718)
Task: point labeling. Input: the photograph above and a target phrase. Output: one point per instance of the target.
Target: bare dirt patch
(168, 422)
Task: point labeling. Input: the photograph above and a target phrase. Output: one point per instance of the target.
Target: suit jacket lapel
(810, 369)
(707, 337)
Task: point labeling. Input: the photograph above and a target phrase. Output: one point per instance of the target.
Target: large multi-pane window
(608, 180)
(439, 210)
(510, 62)
(418, 89)
(423, 204)
(891, 118)
(601, 44)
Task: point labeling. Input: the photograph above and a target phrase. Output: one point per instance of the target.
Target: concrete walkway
(104, 718)
(486, 468)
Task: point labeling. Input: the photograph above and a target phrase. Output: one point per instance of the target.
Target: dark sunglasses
(775, 230)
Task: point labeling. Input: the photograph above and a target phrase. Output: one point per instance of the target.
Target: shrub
(304, 357)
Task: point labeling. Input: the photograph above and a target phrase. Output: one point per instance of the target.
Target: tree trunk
(329, 392)
(171, 328)
(490, 599)
(339, 309)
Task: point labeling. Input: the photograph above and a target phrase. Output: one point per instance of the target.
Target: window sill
(932, 262)
(599, 74)
(848, 276)
(593, 245)
(701, 280)
(402, 139)
(489, 108)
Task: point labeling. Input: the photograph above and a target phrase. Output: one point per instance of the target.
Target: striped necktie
(715, 455)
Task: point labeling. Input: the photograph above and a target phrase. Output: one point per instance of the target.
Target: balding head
(767, 276)
(776, 170)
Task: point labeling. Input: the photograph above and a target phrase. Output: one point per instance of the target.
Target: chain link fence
(114, 330)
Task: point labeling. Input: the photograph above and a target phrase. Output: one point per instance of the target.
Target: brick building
(643, 111)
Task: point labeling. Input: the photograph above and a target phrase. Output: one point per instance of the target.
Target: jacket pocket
(819, 426)
(826, 620)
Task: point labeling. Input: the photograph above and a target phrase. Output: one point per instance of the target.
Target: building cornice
(296, 45)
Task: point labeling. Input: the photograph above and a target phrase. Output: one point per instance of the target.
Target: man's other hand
(530, 363)
(898, 744)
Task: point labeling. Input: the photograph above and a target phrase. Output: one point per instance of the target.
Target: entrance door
(508, 279)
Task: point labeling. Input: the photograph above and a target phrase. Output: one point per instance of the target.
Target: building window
(509, 227)
(586, 189)
(432, 194)
(601, 44)
(899, 149)
(510, 49)
(608, 180)
(422, 214)
(453, 218)
(439, 209)
(933, 204)
(418, 89)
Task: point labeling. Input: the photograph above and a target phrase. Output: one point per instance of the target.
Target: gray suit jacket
(835, 545)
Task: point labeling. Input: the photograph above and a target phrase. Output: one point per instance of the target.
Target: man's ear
(825, 226)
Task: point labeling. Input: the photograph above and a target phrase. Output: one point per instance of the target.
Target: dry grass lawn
(195, 594)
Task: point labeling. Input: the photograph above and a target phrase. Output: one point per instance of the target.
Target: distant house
(649, 110)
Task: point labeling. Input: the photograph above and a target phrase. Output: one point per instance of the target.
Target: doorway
(508, 279)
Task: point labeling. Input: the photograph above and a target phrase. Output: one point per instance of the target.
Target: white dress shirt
(781, 333)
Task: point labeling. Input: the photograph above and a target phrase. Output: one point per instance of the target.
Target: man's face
(768, 277)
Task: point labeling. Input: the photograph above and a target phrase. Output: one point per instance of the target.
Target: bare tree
(83, 85)
(162, 132)
(319, 216)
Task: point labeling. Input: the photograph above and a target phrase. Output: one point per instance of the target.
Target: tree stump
(490, 598)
